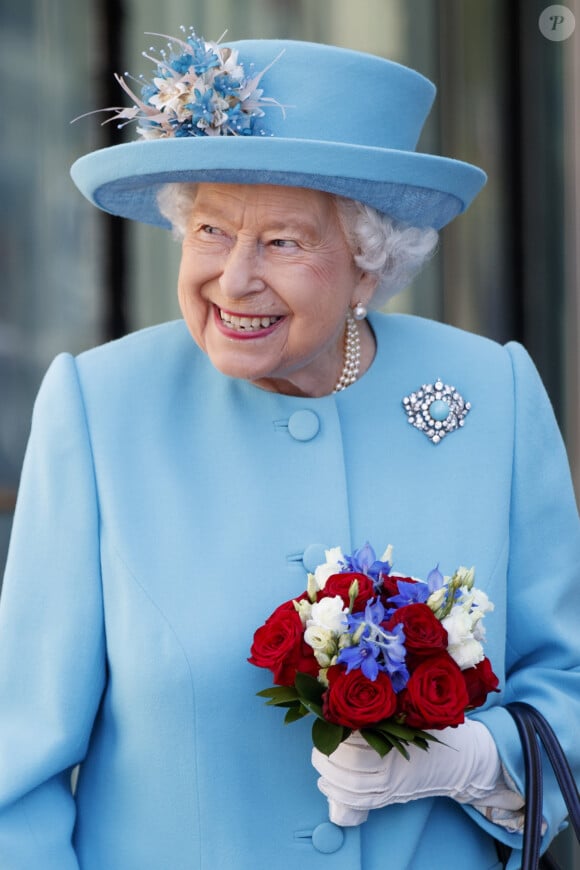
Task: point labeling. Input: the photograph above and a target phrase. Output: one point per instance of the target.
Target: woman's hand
(464, 766)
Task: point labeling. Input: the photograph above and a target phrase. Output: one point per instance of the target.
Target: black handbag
(531, 725)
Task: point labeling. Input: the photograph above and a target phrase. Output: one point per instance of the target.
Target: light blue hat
(286, 113)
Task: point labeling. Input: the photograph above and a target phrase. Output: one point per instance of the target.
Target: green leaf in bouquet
(400, 736)
(395, 729)
(295, 713)
(309, 688)
(316, 709)
(326, 736)
(310, 693)
(378, 741)
(422, 739)
(401, 747)
(396, 743)
(406, 733)
(279, 694)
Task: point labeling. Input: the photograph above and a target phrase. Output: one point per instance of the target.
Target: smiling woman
(183, 480)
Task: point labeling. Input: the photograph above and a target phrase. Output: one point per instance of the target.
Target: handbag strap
(559, 763)
(530, 722)
(533, 787)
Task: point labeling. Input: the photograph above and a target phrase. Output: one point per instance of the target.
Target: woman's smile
(243, 325)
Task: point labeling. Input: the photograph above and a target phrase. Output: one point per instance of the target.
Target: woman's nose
(242, 270)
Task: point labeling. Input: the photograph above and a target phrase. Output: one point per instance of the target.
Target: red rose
(301, 660)
(355, 701)
(480, 681)
(436, 695)
(339, 584)
(423, 631)
(279, 646)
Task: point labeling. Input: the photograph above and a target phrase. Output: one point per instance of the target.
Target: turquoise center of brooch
(439, 410)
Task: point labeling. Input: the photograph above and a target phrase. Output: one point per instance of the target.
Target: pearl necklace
(351, 365)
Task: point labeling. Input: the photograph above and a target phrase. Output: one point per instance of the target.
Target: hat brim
(419, 189)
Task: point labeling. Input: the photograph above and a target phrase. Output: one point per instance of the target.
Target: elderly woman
(181, 482)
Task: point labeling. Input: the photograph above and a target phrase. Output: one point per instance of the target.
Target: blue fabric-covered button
(327, 838)
(314, 555)
(304, 425)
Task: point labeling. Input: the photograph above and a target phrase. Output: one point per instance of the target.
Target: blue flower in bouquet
(374, 649)
(364, 656)
(417, 592)
(410, 593)
(364, 561)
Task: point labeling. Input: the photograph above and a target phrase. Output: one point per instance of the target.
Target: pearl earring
(359, 312)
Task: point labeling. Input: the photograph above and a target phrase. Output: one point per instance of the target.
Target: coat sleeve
(543, 594)
(52, 651)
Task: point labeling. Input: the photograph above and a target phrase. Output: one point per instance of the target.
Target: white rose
(481, 601)
(458, 626)
(319, 638)
(479, 628)
(466, 654)
(329, 613)
(334, 558)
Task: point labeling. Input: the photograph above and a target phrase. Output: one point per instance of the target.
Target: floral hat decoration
(278, 112)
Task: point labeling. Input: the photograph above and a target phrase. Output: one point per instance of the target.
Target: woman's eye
(283, 243)
(210, 230)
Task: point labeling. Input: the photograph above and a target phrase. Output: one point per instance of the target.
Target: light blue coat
(166, 509)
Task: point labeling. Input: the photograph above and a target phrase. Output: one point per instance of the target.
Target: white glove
(355, 779)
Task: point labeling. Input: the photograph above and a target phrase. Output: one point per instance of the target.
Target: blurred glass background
(508, 100)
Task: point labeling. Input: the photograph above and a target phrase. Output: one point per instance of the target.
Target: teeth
(247, 324)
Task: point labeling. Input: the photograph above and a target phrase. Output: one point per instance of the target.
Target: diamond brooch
(436, 410)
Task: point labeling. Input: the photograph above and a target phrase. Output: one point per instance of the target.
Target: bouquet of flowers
(365, 649)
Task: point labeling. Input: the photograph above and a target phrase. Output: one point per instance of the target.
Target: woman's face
(265, 282)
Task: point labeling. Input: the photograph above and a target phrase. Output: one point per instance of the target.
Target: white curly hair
(392, 251)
